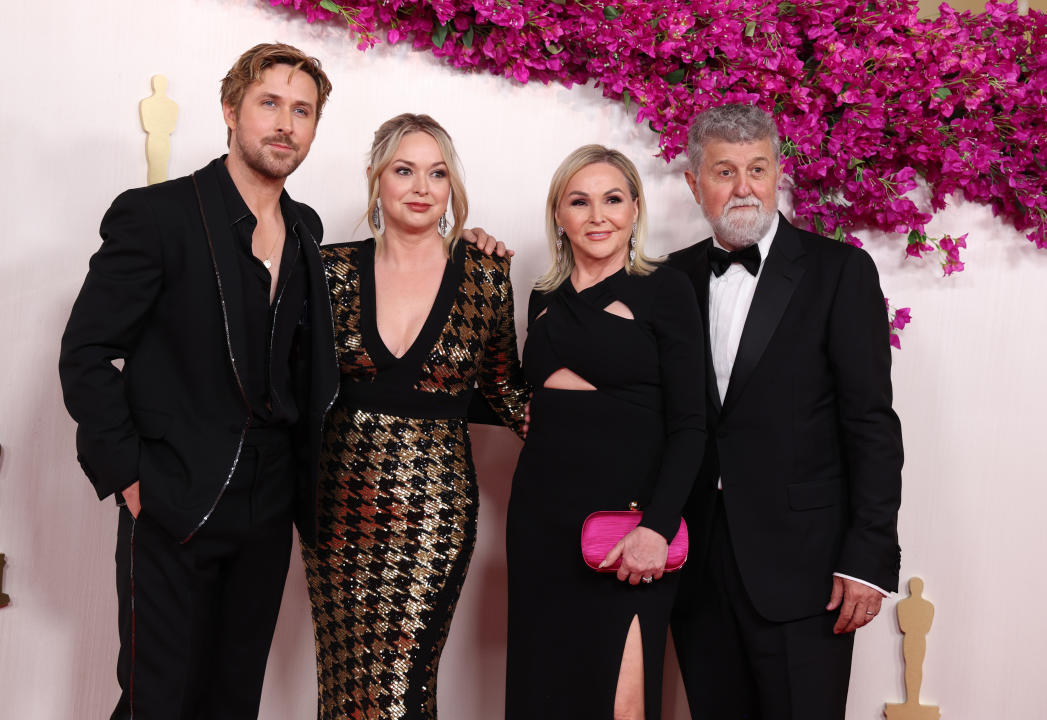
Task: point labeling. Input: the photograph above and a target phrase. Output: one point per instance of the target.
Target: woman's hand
(643, 552)
(488, 244)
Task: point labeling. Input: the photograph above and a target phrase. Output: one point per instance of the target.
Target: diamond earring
(377, 218)
(632, 246)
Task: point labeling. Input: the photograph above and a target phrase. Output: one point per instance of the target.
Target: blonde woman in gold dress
(420, 319)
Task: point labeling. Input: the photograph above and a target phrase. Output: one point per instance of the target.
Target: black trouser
(197, 619)
(736, 664)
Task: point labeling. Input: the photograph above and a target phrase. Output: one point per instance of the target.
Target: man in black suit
(794, 514)
(210, 290)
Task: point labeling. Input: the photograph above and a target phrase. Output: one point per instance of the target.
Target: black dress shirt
(271, 327)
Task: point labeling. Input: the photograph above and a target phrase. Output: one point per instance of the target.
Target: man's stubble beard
(262, 161)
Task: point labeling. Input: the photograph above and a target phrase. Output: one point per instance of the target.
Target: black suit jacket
(806, 441)
(163, 294)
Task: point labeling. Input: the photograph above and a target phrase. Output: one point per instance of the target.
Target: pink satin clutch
(602, 530)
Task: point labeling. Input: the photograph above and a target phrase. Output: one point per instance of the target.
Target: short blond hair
(386, 141)
(580, 158)
(248, 69)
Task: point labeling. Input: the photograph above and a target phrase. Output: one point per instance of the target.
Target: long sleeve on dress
(681, 357)
(499, 378)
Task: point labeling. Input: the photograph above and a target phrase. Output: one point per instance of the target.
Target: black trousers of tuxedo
(738, 665)
(197, 619)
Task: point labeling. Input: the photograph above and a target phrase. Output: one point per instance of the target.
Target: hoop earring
(377, 217)
(559, 245)
(632, 247)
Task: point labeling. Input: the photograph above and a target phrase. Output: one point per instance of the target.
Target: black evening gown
(398, 496)
(638, 437)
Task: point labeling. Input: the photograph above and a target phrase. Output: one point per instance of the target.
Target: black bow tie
(720, 260)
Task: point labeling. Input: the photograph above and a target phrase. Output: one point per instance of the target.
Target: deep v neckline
(434, 321)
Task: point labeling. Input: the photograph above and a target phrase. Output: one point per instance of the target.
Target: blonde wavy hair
(386, 141)
(580, 158)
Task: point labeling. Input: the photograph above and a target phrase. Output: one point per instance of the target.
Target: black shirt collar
(236, 208)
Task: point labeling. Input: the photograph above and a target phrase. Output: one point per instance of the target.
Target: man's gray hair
(733, 124)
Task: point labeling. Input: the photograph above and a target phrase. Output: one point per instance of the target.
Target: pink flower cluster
(899, 318)
(872, 103)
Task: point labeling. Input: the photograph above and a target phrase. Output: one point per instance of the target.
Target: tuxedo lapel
(781, 274)
(324, 367)
(223, 249)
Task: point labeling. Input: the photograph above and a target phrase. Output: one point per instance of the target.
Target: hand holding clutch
(602, 531)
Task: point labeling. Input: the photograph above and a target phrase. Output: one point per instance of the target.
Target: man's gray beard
(265, 164)
(730, 232)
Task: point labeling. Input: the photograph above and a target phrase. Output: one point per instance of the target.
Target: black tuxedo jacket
(806, 441)
(163, 294)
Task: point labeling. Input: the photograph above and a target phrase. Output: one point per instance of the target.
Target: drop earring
(559, 245)
(377, 218)
(442, 226)
(632, 247)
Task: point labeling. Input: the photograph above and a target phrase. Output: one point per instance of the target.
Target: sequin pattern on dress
(478, 327)
(343, 281)
(397, 501)
(398, 518)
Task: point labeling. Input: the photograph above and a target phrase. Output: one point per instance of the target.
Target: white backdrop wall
(968, 383)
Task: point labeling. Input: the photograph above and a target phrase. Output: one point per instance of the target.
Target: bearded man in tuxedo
(797, 498)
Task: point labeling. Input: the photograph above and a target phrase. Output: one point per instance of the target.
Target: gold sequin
(398, 502)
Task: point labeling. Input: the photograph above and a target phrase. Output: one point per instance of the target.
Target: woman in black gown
(614, 352)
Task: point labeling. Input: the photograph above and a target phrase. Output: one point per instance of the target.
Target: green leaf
(331, 6)
(611, 13)
(854, 162)
(559, 2)
(467, 38)
(838, 234)
(914, 237)
(859, 173)
(554, 48)
(786, 8)
(942, 93)
(440, 35)
(819, 225)
(627, 99)
(676, 76)
(750, 29)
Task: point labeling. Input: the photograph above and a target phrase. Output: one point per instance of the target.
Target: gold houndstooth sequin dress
(398, 497)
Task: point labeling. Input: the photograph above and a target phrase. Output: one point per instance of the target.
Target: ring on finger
(648, 578)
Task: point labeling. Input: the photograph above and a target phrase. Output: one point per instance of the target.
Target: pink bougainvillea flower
(871, 101)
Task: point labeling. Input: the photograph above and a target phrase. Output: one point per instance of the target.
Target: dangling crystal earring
(632, 246)
(377, 219)
(559, 245)
(443, 224)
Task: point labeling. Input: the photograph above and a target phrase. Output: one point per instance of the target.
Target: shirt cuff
(863, 582)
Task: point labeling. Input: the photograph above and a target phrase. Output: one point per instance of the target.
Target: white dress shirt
(730, 297)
